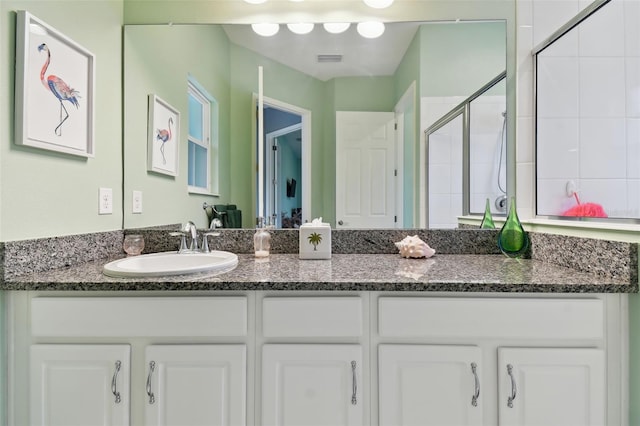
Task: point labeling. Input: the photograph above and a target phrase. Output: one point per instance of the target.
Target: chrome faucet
(190, 228)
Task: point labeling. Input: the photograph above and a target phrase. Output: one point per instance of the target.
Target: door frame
(306, 146)
(408, 99)
(272, 170)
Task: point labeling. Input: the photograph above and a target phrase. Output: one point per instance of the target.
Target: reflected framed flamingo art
(163, 137)
(54, 89)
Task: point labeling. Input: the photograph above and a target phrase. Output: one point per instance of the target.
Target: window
(202, 140)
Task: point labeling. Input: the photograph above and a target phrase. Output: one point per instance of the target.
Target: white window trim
(210, 132)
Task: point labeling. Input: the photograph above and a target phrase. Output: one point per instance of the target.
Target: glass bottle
(487, 219)
(512, 239)
(261, 240)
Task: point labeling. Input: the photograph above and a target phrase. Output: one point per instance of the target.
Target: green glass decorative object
(512, 239)
(487, 219)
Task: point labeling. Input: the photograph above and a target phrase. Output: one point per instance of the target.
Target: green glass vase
(487, 219)
(512, 238)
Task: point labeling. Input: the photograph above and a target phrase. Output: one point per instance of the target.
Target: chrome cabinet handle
(513, 386)
(152, 367)
(354, 400)
(114, 383)
(340, 222)
(476, 395)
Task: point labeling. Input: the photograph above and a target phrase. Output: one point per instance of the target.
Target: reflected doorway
(287, 163)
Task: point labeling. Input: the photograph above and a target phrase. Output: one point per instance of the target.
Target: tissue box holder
(315, 241)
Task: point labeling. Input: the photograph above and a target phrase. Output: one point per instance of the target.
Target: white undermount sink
(171, 263)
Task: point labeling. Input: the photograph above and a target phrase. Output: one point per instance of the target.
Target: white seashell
(413, 246)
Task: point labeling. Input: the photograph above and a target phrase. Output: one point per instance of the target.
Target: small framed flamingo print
(54, 89)
(163, 137)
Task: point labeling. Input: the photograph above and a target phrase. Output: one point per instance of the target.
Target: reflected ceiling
(360, 56)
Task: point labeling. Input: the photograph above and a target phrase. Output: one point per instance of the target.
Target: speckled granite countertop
(353, 272)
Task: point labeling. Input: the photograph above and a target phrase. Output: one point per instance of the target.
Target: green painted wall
(45, 193)
(408, 73)
(634, 353)
(458, 59)
(158, 60)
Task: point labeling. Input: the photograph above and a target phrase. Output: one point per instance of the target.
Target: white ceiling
(360, 56)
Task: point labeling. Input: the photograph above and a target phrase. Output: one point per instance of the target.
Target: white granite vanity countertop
(352, 272)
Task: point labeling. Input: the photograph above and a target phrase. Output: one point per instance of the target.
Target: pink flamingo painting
(164, 136)
(58, 88)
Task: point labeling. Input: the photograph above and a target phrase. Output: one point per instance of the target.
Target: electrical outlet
(105, 203)
(136, 202)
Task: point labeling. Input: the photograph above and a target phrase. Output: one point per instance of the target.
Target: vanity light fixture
(255, 1)
(371, 29)
(336, 27)
(300, 27)
(265, 29)
(378, 4)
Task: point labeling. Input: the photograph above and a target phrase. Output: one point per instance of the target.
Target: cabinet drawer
(491, 318)
(312, 317)
(139, 316)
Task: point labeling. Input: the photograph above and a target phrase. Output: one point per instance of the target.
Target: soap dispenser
(261, 239)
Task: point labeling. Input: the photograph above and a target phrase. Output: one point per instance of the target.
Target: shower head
(504, 114)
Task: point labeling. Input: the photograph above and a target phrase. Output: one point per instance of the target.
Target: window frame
(209, 138)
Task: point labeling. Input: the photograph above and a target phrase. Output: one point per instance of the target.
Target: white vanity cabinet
(546, 355)
(551, 386)
(154, 361)
(317, 358)
(79, 385)
(195, 385)
(312, 385)
(312, 361)
(430, 385)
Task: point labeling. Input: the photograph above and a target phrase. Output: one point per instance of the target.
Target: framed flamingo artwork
(163, 137)
(54, 89)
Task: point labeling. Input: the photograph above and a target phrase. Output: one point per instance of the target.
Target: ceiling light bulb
(255, 1)
(300, 27)
(336, 27)
(378, 4)
(370, 29)
(265, 29)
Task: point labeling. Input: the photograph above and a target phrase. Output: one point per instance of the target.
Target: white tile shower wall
(445, 157)
(585, 58)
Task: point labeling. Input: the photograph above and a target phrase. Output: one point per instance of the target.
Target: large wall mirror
(428, 68)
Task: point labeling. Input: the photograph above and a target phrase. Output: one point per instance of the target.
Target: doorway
(287, 163)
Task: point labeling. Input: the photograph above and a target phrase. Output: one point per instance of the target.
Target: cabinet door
(551, 386)
(429, 385)
(312, 385)
(79, 385)
(196, 385)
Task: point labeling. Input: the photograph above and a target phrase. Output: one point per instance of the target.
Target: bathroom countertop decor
(466, 260)
(353, 272)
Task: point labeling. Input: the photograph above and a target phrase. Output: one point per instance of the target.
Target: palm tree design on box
(315, 239)
(164, 136)
(59, 88)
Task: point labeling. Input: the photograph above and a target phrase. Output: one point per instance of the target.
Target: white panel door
(425, 385)
(79, 385)
(365, 169)
(312, 385)
(190, 385)
(551, 387)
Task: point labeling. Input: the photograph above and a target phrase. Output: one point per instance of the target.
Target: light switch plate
(136, 202)
(105, 201)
